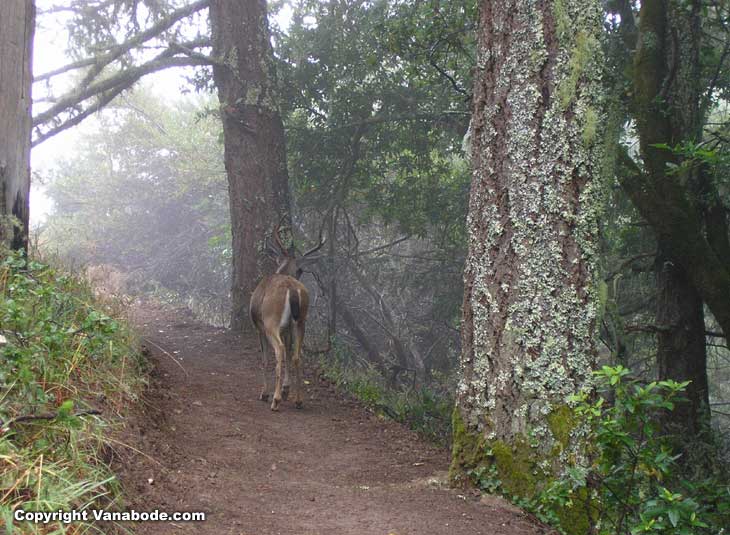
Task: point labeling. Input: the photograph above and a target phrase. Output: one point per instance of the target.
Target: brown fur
(268, 305)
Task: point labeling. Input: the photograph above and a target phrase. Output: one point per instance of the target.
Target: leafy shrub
(62, 361)
(634, 482)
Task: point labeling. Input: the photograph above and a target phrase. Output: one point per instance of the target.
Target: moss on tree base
(522, 471)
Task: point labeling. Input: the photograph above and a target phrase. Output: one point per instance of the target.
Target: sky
(50, 44)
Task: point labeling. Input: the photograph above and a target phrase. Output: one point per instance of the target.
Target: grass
(62, 354)
(426, 410)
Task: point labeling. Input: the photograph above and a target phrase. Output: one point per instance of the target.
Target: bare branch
(382, 247)
(66, 68)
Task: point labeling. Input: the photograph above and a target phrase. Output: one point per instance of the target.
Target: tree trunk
(255, 152)
(666, 106)
(17, 24)
(666, 78)
(681, 350)
(529, 299)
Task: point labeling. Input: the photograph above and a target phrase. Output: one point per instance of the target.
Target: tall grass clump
(67, 369)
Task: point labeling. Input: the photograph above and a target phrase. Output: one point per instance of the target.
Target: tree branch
(675, 220)
(107, 89)
(99, 62)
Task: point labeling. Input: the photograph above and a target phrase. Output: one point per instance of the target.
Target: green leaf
(673, 515)
(66, 408)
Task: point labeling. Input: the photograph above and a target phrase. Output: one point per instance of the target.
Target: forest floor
(206, 443)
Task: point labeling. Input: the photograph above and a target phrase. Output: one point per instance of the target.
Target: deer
(280, 302)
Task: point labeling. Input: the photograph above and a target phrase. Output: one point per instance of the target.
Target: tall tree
(17, 23)
(255, 152)
(670, 191)
(675, 196)
(681, 352)
(529, 301)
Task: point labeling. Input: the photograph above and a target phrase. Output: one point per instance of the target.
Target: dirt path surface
(331, 468)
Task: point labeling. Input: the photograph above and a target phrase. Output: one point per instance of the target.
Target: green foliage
(373, 132)
(691, 155)
(60, 355)
(358, 103)
(634, 482)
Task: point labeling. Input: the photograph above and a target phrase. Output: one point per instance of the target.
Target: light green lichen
(583, 51)
(562, 19)
(590, 126)
(520, 379)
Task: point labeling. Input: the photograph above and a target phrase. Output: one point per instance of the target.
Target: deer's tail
(294, 305)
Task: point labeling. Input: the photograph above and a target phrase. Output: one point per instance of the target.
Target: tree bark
(666, 107)
(17, 25)
(681, 350)
(529, 300)
(255, 152)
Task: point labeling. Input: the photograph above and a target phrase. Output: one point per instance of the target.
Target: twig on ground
(44, 416)
(168, 354)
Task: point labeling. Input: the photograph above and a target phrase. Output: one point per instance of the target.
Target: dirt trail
(331, 468)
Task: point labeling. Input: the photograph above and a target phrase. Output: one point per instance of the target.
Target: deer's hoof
(275, 405)
(285, 392)
(299, 405)
(264, 397)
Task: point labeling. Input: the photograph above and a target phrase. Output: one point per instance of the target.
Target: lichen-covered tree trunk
(666, 107)
(255, 153)
(17, 24)
(530, 303)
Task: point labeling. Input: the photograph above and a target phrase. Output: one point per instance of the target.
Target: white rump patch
(286, 313)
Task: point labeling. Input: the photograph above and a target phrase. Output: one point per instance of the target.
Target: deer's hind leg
(298, 335)
(264, 396)
(287, 363)
(280, 353)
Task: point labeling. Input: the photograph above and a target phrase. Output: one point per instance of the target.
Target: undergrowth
(635, 479)
(426, 410)
(67, 368)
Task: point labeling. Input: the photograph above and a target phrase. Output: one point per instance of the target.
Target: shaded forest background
(376, 106)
